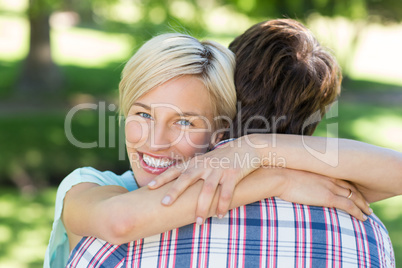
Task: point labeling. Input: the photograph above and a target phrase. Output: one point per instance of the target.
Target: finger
(225, 197)
(349, 206)
(361, 202)
(353, 194)
(206, 196)
(185, 179)
(167, 176)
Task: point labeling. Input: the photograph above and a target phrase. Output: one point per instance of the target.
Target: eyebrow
(142, 105)
(185, 114)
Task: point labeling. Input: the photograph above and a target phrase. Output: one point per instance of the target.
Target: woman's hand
(317, 190)
(225, 166)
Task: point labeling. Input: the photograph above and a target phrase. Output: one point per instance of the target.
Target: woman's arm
(376, 171)
(118, 216)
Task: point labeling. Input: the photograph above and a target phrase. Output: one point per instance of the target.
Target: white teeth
(157, 162)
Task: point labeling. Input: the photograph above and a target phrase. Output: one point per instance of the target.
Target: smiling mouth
(157, 162)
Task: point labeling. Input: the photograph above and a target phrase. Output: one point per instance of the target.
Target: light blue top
(57, 251)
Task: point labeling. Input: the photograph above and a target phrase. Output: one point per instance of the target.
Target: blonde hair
(173, 55)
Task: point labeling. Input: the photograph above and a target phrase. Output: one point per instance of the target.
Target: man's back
(269, 233)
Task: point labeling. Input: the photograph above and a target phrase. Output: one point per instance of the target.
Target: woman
(186, 80)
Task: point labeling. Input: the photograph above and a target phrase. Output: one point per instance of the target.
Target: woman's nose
(160, 137)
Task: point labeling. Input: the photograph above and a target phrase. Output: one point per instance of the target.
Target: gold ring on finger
(350, 194)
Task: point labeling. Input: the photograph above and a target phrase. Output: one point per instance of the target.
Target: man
(282, 72)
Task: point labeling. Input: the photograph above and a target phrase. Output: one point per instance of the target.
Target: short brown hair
(283, 74)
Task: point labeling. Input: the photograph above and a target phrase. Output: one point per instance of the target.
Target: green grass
(98, 82)
(362, 86)
(38, 146)
(25, 224)
(9, 73)
(376, 124)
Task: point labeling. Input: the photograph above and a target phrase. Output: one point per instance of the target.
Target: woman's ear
(216, 137)
(218, 134)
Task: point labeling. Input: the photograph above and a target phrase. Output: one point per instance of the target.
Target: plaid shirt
(269, 233)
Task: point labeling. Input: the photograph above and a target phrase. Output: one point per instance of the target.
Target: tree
(39, 72)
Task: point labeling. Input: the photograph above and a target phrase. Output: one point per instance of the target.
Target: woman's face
(167, 126)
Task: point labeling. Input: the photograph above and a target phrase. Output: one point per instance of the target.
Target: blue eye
(184, 122)
(145, 115)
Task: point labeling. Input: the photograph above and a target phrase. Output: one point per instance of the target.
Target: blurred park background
(55, 55)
